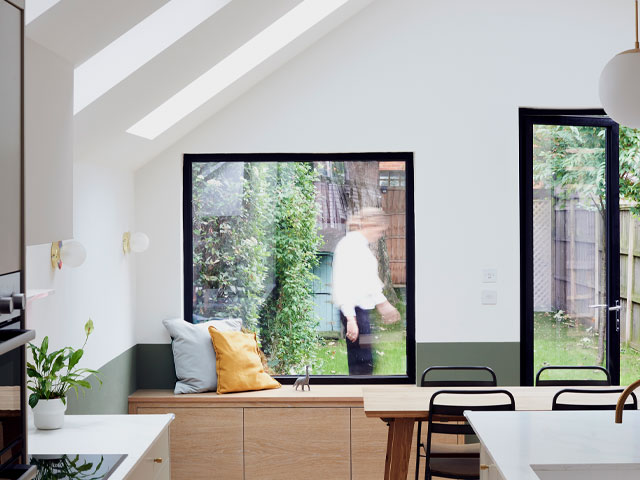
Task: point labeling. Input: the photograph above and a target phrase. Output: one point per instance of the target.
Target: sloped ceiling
(78, 29)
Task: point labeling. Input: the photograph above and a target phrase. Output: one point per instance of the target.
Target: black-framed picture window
(313, 252)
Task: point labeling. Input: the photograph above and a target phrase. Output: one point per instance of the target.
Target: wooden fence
(568, 248)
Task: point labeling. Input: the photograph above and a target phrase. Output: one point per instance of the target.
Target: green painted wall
(118, 382)
(142, 366)
(502, 357)
(151, 366)
(155, 368)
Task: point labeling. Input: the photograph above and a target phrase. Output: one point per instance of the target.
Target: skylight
(33, 9)
(136, 47)
(277, 35)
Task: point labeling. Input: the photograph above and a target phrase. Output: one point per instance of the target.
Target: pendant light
(619, 85)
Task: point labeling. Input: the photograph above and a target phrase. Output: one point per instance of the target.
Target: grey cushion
(193, 353)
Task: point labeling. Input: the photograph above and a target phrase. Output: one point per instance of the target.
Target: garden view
(264, 236)
(570, 270)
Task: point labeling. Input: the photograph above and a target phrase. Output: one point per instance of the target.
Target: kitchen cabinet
(11, 138)
(143, 438)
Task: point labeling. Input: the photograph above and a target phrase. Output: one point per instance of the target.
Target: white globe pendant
(620, 88)
(619, 81)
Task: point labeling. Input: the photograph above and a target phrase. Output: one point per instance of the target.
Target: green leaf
(33, 400)
(75, 358)
(43, 349)
(33, 373)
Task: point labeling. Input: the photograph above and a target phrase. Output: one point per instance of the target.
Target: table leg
(398, 448)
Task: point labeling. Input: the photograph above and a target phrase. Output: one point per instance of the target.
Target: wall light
(134, 242)
(71, 253)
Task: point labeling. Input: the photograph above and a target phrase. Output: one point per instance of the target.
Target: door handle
(604, 305)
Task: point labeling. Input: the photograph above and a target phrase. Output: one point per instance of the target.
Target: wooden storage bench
(272, 434)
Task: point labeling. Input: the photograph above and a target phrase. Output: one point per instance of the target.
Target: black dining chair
(604, 382)
(561, 404)
(448, 419)
(469, 373)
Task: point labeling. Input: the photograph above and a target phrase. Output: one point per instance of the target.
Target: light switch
(489, 297)
(489, 275)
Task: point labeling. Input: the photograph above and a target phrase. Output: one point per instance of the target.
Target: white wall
(103, 288)
(440, 78)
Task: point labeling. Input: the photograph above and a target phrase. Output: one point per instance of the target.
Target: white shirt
(355, 275)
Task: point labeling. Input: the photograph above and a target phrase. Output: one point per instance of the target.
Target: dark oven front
(13, 338)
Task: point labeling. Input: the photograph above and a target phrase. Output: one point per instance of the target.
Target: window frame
(187, 240)
(589, 117)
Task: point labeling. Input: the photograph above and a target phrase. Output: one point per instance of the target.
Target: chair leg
(418, 442)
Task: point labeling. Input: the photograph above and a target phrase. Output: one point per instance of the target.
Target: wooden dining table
(402, 407)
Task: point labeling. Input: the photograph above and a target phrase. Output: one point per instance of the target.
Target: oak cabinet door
(206, 443)
(309, 443)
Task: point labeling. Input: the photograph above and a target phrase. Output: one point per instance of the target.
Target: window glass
(310, 255)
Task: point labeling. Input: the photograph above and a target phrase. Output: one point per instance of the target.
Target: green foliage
(250, 227)
(52, 375)
(630, 168)
(570, 161)
(231, 252)
(289, 327)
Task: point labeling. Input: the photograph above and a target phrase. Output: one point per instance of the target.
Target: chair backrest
(573, 383)
(449, 419)
(558, 405)
(425, 382)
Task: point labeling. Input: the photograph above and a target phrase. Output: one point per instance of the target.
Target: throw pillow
(238, 362)
(193, 355)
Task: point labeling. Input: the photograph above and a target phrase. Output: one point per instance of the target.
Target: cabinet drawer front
(148, 468)
(310, 443)
(205, 443)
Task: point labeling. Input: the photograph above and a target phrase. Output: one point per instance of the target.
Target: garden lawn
(562, 342)
(389, 353)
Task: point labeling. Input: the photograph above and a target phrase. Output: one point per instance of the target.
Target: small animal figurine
(303, 381)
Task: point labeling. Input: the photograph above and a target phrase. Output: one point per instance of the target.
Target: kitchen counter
(558, 445)
(102, 434)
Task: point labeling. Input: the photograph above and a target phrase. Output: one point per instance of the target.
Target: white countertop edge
(132, 435)
(557, 441)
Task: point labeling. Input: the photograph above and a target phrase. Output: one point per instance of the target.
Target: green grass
(389, 351)
(561, 341)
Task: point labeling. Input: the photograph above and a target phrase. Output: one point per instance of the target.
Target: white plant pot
(49, 414)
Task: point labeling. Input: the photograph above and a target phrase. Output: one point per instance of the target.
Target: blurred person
(357, 288)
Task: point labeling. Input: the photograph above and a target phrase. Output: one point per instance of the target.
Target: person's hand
(352, 329)
(388, 313)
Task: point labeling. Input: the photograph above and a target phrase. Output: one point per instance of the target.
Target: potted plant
(51, 376)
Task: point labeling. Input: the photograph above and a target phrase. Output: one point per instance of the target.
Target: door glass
(569, 243)
(629, 256)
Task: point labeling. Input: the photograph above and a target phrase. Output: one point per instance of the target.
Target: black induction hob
(75, 466)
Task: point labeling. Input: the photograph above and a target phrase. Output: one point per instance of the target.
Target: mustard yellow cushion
(238, 363)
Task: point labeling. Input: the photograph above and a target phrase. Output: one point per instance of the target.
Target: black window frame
(187, 240)
(589, 117)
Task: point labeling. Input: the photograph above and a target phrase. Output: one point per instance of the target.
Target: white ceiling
(78, 29)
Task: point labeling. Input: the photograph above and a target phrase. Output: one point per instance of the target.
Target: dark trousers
(359, 354)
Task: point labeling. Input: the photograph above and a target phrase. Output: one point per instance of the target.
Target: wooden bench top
(349, 395)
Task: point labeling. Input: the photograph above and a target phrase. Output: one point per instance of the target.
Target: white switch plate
(489, 297)
(489, 275)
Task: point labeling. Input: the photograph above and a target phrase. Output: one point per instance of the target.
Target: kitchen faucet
(623, 398)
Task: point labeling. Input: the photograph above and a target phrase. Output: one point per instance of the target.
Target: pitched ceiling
(78, 29)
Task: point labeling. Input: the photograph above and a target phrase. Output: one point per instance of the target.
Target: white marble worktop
(559, 442)
(101, 434)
